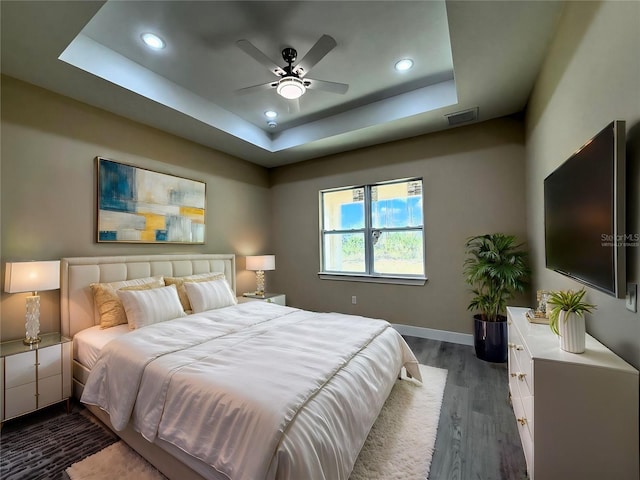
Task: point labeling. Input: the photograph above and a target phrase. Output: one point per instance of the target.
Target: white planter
(572, 332)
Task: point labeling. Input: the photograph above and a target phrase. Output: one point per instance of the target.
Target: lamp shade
(261, 262)
(32, 276)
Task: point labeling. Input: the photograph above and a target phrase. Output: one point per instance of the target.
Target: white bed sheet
(88, 343)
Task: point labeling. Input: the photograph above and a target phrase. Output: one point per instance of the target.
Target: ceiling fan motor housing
(289, 55)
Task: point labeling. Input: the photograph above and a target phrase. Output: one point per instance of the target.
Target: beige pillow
(180, 281)
(108, 303)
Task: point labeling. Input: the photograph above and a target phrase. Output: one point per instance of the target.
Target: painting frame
(140, 205)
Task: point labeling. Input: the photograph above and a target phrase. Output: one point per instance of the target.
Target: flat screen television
(584, 213)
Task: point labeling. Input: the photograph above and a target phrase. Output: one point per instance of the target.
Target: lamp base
(259, 283)
(32, 324)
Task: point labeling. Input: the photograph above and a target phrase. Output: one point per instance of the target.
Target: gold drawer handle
(522, 421)
(520, 375)
(515, 346)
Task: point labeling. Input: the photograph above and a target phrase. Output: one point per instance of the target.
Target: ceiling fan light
(291, 88)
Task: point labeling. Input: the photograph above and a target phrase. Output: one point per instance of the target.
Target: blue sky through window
(388, 213)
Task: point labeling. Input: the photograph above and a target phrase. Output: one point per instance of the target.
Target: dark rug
(42, 445)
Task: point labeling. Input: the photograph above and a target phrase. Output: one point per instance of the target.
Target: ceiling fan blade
(325, 86)
(248, 47)
(313, 56)
(256, 88)
(294, 105)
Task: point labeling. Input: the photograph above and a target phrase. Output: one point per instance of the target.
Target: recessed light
(153, 41)
(404, 64)
(270, 114)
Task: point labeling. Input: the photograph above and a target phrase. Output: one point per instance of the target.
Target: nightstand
(34, 376)
(278, 298)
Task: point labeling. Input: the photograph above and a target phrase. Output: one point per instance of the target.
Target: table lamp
(260, 263)
(32, 277)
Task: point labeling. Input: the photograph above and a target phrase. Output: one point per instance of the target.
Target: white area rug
(399, 446)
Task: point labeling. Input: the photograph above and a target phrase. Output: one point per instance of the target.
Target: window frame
(369, 275)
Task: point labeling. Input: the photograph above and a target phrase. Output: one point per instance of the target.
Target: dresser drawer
(522, 401)
(20, 369)
(519, 353)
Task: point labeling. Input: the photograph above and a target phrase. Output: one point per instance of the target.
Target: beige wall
(473, 184)
(590, 77)
(49, 145)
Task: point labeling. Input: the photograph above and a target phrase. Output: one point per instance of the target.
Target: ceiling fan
(293, 83)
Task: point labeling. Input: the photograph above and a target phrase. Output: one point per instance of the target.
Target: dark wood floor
(477, 434)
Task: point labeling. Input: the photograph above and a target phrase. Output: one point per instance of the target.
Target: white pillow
(205, 296)
(145, 307)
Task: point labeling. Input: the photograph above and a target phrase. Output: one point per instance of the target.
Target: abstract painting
(136, 205)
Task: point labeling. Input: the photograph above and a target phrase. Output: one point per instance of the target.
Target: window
(373, 230)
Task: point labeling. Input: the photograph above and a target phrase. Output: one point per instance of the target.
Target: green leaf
(496, 268)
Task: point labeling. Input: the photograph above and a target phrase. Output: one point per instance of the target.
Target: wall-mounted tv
(584, 213)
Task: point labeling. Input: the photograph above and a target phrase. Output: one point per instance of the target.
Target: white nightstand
(278, 298)
(34, 376)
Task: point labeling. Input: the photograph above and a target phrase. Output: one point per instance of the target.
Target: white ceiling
(467, 54)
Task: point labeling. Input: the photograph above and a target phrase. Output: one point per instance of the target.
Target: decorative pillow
(180, 281)
(108, 303)
(209, 295)
(146, 307)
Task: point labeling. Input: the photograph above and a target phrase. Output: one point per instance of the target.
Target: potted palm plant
(566, 318)
(496, 269)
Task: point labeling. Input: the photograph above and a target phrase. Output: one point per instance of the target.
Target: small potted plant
(566, 318)
(496, 269)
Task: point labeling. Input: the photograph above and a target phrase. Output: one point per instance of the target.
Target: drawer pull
(520, 375)
(522, 421)
(519, 347)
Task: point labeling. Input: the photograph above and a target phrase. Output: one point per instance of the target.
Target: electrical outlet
(354, 300)
(632, 297)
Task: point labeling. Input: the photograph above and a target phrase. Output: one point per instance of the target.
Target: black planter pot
(490, 339)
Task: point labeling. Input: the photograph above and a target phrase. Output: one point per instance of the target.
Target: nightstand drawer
(19, 400)
(49, 361)
(20, 369)
(49, 390)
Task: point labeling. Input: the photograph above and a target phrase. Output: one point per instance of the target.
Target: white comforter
(257, 391)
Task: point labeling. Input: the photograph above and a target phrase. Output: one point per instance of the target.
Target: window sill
(392, 279)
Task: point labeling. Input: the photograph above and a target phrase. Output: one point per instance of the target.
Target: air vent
(462, 117)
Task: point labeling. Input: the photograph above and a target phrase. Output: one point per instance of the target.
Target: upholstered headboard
(76, 301)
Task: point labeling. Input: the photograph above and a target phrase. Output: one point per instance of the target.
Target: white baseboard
(433, 334)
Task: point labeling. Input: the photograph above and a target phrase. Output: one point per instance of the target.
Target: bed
(247, 391)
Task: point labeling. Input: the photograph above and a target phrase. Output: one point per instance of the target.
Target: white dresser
(577, 414)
